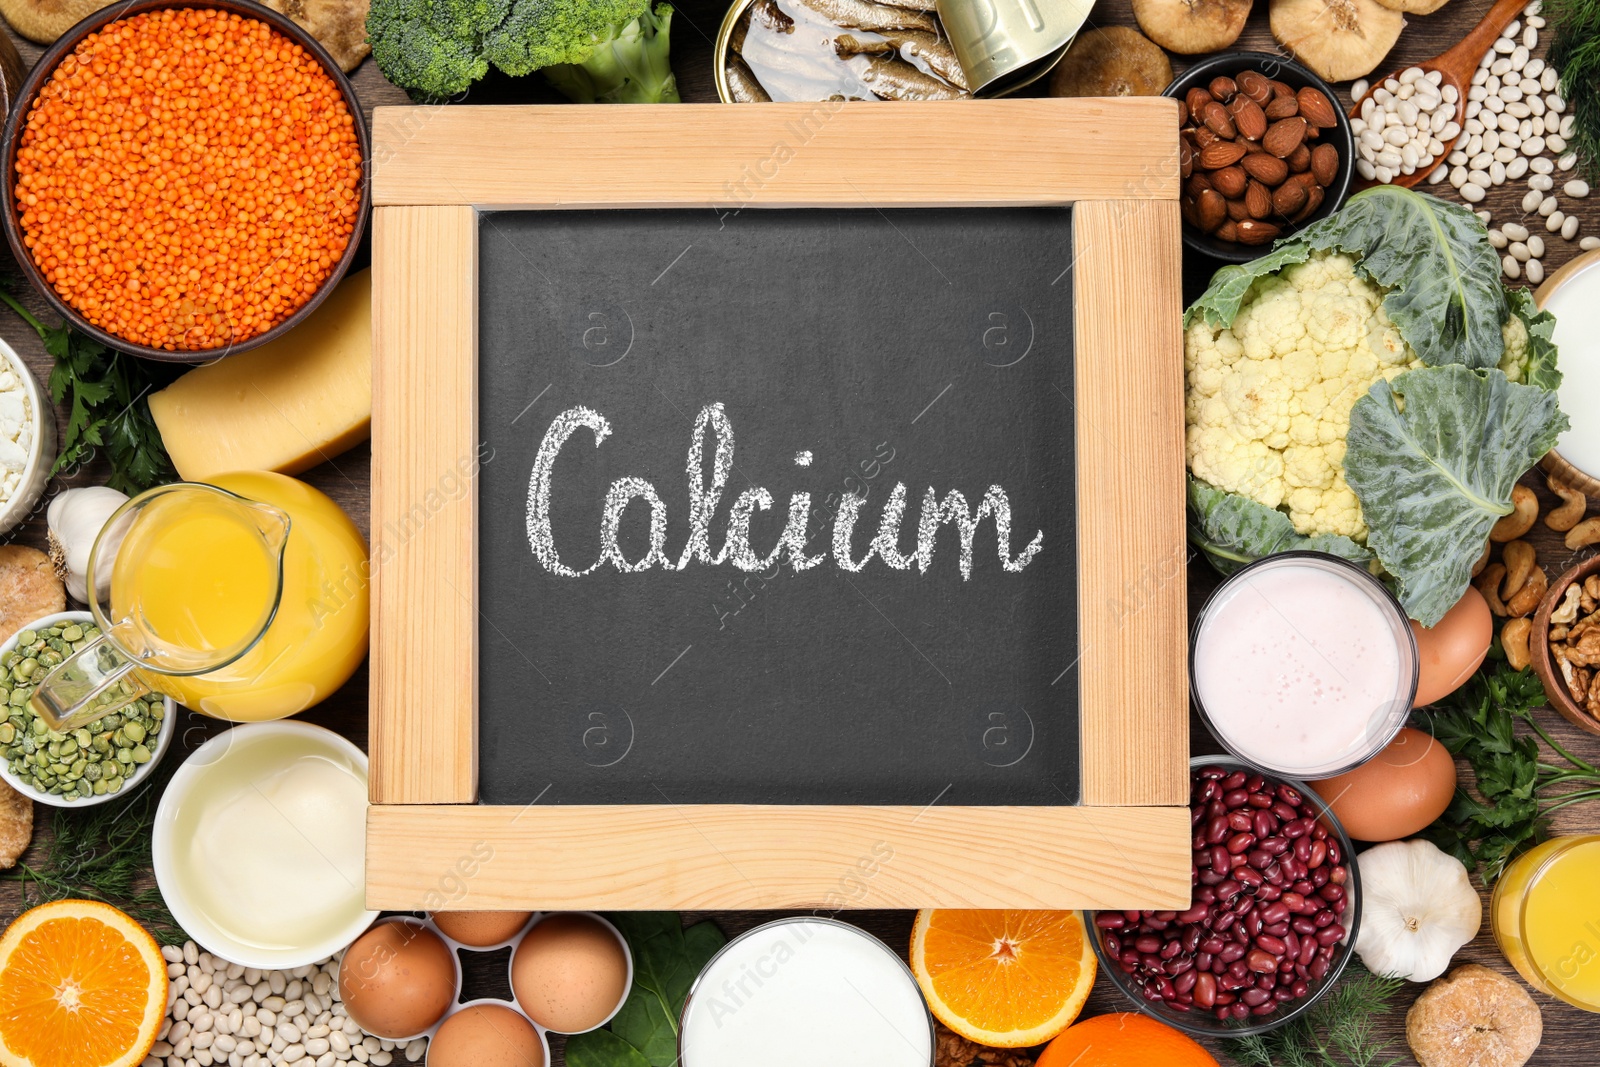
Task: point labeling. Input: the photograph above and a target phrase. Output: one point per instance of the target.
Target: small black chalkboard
(850, 351)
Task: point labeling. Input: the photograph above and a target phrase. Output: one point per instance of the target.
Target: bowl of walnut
(1564, 645)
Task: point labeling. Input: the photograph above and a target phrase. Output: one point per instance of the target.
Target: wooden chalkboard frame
(431, 846)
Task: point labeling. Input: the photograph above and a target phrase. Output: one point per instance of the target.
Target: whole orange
(1124, 1039)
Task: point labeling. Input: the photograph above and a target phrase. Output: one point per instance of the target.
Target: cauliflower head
(1269, 398)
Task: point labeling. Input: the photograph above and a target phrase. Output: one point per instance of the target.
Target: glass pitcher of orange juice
(243, 600)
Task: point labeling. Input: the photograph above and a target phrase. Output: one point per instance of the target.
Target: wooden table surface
(1571, 1037)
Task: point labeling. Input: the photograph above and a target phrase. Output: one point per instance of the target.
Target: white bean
(1512, 268)
(1518, 251)
(1535, 271)
(1589, 244)
(1497, 173)
(1517, 168)
(1577, 188)
(1529, 202)
(1497, 239)
(1548, 205)
(1541, 166)
(1535, 246)
(1569, 229)
(1556, 143)
(1515, 230)
(1556, 220)
(1542, 182)
(1471, 193)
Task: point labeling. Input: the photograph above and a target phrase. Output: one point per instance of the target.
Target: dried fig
(1112, 61)
(1339, 39)
(1192, 26)
(1474, 1016)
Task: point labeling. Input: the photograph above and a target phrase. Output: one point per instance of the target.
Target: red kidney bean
(1235, 780)
(1328, 935)
(1212, 944)
(1231, 952)
(1210, 878)
(1147, 943)
(1253, 924)
(1205, 990)
(1308, 951)
(1267, 943)
(1217, 830)
(1276, 846)
(1301, 886)
(1318, 968)
(1275, 929)
(1254, 997)
(1319, 853)
(1110, 920)
(1331, 892)
(1283, 995)
(1296, 828)
(1319, 877)
(1240, 843)
(1258, 857)
(1264, 824)
(1290, 796)
(1170, 949)
(1227, 890)
(1248, 877)
(1240, 820)
(1204, 960)
(1302, 925)
(1186, 981)
(1276, 912)
(1221, 858)
(1302, 849)
(1338, 875)
(1259, 800)
(1260, 961)
(1324, 918)
(1235, 798)
(1283, 811)
(1291, 944)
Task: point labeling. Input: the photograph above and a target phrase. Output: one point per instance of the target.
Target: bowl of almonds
(1263, 150)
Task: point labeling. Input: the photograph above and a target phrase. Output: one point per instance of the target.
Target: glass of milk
(1303, 664)
(794, 992)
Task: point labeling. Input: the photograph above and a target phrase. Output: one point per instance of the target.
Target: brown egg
(397, 979)
(1396, 793)
(480, 928)
(486, 1035)
(1448, 653)
(569, 973)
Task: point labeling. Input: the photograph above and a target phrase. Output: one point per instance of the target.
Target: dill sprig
(1575, 54)
(1337, 1031)
(103, 853)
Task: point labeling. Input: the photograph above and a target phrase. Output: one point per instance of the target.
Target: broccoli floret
(604, 50)
(629, 68)
(433, 48)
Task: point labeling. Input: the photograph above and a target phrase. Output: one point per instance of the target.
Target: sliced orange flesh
(1003, 978)
(81, 985)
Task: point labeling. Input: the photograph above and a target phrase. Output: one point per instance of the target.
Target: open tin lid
(1003, 45)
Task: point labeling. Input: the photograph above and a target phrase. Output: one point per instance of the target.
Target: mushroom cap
(42, 21)
(340, 26)
(1113, 61)
(1474, 1016)
(1414, 7)
(1192, 26)
(1339, 39)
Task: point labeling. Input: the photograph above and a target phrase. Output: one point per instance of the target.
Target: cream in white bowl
(260, 842)
(1573, 297)
(162, 740)
(27, 439)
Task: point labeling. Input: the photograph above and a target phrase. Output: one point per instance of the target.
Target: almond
(1229, 181)
(1228, 231)
(1265, 168)
(1282, 107)
(1289, 198)
(1250, 120)
(1221, 154)
(1217, 121)
(1210, 209)
(1203, 137)
(1196, 184)
(1186, 209)
(1238, 210)
(1255, 85)
(1284, 136)
(1280, 89)
(1299, 160)
(1197, 98)
(1316, 109)
(1222, 88)
(1313, 201)
(1257, 201)
(1255, 232)
(1325, 164)
(1183, 114)
(1185, 159)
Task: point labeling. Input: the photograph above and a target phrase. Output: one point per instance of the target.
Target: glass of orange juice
(1546, 917)
(196, 578)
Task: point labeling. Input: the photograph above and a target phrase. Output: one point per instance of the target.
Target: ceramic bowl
(1544, 663)
(40, 74)
(1205, 1024)
(164, 738)
(1297, 77)
(35, 473)
(180, 893)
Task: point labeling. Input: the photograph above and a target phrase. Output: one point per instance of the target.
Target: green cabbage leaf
(1432, 456)
(1234, 531)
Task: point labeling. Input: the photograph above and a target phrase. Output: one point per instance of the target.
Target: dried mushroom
(340, 26)
(1474, 1017)
(1339, 39)
(29, 588)
(1114, 61)
(1192, 26)
(1414, 7)
(42, 21)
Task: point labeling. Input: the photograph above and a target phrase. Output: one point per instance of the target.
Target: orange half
(81, 985)
(1007, 979)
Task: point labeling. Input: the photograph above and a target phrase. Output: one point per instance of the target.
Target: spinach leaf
(1432, 457)
(666, 960)
(1233, 530)
(1442, 277)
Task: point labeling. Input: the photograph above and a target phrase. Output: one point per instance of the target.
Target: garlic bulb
(75, 519)
(1418, 907)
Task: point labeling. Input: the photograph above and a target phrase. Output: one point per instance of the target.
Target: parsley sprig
(1523, 775)
(108, 405)
(1337, 1031)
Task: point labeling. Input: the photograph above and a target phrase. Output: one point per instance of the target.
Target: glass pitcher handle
(92, 682)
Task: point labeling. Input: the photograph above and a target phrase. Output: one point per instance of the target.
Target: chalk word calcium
(736, 548)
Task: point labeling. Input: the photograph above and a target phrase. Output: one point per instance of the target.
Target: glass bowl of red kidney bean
(1276, 905)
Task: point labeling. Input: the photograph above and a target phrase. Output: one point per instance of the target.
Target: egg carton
(512, 942)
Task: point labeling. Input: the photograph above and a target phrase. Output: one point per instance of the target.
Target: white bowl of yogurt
(1303, 664)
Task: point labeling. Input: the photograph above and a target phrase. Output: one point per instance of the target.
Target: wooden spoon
(1456, 67)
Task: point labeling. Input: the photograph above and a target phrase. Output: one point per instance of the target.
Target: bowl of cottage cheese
(27, 439)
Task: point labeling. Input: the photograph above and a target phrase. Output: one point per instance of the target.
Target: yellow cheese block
(287, 406)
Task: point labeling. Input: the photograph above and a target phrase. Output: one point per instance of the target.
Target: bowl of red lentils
(185, 181)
